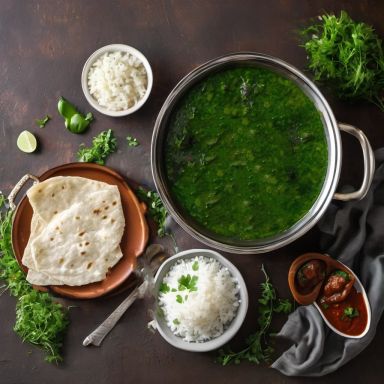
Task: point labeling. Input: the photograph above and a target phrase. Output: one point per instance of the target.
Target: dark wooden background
(44, 45)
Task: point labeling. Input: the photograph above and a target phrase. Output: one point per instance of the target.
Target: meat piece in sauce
(337, 287)
(310, 274)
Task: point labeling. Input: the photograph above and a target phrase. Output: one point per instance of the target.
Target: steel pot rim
(331, 131)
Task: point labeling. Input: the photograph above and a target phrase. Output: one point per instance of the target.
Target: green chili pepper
(75, 122)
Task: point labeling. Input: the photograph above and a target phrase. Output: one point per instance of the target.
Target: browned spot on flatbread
(107, 207)
(89, 265)
(104, 217)
(114, 203)
(53, 195)
(55, 213)
(52, 239)
(61, 261)
(96, 211)
(83, 253)
(113, 220)
(77, 217)
(87, 243)
(81, 233)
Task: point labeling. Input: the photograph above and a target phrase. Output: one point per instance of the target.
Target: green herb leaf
(179, 299)
(342, 274)
(132, 141)
(102, 146)
(164, 288)
(176, 322)
(350, 312)
(187, 282)
(347, 56)
(41, 122)
(156, 209)
(258, 349)
(39, 320)
(195, 266)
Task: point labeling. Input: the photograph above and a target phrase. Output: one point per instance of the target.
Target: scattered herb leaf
(156, 209)
(102, 146)
(164, 288)
(195, 266)
(342, 274)
(325, 305)
(350, 312)
(132, 141)
(39, 320)
(41, 122)
(187, 282)
(258, 349)
(347, 56)
(179, 299)
(176, 322)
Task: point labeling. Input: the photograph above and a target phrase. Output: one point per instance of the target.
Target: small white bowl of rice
(117, 80)
(201, 300)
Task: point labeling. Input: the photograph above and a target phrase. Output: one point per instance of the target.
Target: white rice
(205, 312)
(117, 80)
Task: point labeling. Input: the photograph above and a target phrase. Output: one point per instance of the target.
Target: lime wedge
(26, 142)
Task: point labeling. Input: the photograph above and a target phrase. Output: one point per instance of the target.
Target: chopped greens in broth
(246, 153)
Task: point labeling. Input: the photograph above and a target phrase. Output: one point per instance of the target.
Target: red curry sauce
(335, 313)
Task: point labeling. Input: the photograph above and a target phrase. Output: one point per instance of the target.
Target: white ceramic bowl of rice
(201, 300)
(117, 80)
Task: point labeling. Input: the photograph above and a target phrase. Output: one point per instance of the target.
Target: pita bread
(76, 230)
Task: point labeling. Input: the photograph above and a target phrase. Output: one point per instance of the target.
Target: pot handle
(369, 164)
(18, 186)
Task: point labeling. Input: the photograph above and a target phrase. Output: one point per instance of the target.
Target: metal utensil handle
(369, 165)
(97, 336)
(18, 186)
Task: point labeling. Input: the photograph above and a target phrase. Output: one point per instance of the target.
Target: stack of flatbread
(76, 230)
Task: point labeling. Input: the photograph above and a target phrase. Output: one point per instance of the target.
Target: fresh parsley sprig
(350, 312)
(39, 320)
(42, 122)
(132, 141)
(258, 349)
(103, 145)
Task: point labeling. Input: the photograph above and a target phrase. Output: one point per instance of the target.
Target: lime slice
(26, 142)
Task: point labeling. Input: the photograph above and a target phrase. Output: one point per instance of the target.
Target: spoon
(152, 259)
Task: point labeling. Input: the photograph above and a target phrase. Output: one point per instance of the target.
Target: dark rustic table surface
(44, 45)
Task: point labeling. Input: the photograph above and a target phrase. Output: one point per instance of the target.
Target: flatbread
(76, 230)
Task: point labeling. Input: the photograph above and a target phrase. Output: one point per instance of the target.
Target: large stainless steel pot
(332, 133)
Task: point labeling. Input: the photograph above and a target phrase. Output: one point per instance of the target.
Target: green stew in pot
(245, 154)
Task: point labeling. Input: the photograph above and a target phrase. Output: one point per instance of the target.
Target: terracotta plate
(132, 244)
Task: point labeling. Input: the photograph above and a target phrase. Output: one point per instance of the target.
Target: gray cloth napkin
(352, 232)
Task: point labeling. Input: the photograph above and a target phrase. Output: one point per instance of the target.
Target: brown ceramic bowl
(134, 239)
(330, 265)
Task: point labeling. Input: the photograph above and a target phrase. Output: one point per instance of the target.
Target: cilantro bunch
(347, 56)
(103, 145)
(259, 349)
